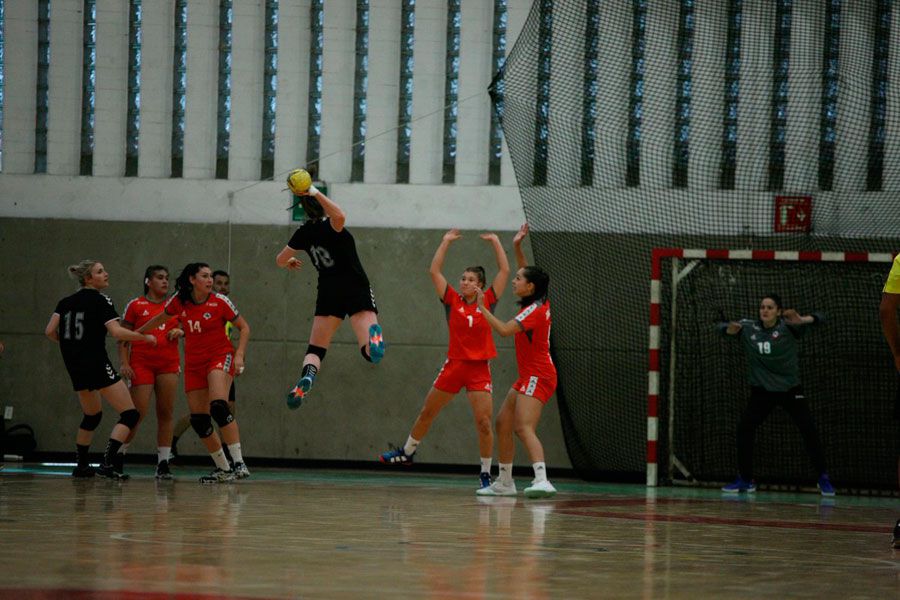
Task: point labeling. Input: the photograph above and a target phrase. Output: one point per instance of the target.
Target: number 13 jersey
(333, 253)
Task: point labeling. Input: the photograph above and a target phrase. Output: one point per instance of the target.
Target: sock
(506, 472)
(163, 454)
(310, 370)
(540, 472)
(81, 454)
(486, 465)
(235, 450)
(112, 448)
(410, 446)
(219, 458)
(227, 454)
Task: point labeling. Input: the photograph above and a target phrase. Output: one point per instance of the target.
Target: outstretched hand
(293, 264)
(520, 235)
(479, 296)
(791, 317)
(489, 237)
(452, 235)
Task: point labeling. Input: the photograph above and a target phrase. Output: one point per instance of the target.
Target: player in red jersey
(152, 369)
(521, 410)
(210, 364)
(471, 347)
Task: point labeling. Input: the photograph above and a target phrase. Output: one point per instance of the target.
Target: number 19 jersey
(204, 325)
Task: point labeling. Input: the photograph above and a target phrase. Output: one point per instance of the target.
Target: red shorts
(474, 375)
(195, 373)
(147, 368)
(536, 386)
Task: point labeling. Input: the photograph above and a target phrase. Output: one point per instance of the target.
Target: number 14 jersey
(204, 325)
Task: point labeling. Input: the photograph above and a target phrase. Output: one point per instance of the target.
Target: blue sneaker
(739, 485)
(485, 480)
(376, 343)
(298, 393)
(824, 485)
(397, 456)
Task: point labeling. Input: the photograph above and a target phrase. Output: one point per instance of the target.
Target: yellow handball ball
(299, 181)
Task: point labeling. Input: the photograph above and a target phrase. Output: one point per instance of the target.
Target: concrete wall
(357, 409)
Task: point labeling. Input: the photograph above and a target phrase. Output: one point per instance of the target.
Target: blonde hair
(82, 271)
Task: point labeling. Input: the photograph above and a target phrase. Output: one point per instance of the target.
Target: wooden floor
(351, 534)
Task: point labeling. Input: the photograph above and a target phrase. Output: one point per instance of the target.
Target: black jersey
(333, 253)
(82, 326)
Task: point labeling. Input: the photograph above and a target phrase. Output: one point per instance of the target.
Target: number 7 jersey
(204, 325)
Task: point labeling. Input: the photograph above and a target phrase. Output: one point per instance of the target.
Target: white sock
(235, 451)
(219, 458)
(163, 453)
(410, 446)
(506, 472)
(486, 465)
(123, 448)
(540, 472)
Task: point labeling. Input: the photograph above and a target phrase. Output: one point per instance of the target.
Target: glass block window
(780, 65)
(542, 114)
(88, 85)
(451, 90)
(682, 151)
(883, 11)
(830, 62)
(134, 88)
(223, 114)
(2, 70)
(360, 86)
(314, 116)
(589, 91)
(636, 102)
(43, 87)
(270, 86)
(732, 94)
(498, 58)
(404, 116)
(179, 86)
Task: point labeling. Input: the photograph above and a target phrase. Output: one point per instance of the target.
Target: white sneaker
(498, 488)
(240, 470)
(544, 489)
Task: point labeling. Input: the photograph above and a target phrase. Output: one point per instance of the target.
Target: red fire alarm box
(793, 214)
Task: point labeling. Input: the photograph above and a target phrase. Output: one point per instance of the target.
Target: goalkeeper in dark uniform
(343, 285)
(771, 347)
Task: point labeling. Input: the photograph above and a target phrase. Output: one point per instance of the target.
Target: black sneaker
(162, 471)
(218, 476)
(109, 471)
(119, 463)
(85, 472)
(896, 542)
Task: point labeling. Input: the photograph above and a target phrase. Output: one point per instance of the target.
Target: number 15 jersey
(204, 325)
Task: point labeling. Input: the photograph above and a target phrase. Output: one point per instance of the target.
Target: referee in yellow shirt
(890, 303)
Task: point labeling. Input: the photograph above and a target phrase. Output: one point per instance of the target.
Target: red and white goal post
(653, 369)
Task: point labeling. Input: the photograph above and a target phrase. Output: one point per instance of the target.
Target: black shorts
(92, 375)
(339, 299)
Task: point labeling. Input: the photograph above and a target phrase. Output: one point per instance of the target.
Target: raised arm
(52, 329)
(437, 262)
(502, 276)
(335, 214)
(890, 303)
(792, 317)
(517, 246)
(507, 329)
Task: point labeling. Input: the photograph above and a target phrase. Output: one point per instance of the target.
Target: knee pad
(317, 350)
(129, 418)
(202, 424)
(218, 410)
(90, 422)
(365, 353)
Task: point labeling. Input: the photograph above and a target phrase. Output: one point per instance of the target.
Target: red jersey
(470, 333)
(204, 325)
(137, 312)
(533, 341)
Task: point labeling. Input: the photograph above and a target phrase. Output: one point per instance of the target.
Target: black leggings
(762, 403)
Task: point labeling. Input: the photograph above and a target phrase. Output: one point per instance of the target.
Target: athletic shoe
(498, 488)
(376, 343)
(298, 393)
(824, 485)
(543, 489)
(109, 471)
(84, 472)
(484, 479)
(896, 541)
(397, 456)
(240, 471)
(218, 476)
(163, 472)
(739, 485)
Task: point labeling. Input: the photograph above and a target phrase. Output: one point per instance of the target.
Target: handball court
(374, 534)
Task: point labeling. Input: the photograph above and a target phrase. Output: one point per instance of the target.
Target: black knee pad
(129, 418)
(90, 422)
(218, 410)
(364, 350)
(202, 424)
(317, 350)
